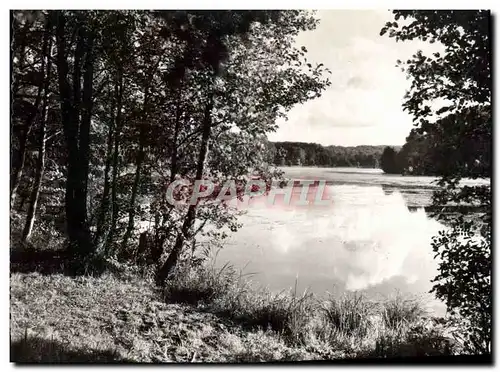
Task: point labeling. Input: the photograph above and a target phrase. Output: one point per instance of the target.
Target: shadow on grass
(53, 262)
(39, 350)
(44, 262)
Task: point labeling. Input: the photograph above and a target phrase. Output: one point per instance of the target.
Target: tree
(418, 155)
(460, 132)
(45, 72)
(389, 161)
(76, 111)
(129, 102)
(243, 99)
(311, 154)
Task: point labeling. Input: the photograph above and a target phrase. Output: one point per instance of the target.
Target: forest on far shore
(314, 154)
(422, 154)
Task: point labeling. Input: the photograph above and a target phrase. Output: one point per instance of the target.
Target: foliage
(134, 100)
(227, 292)
(389, 161)
(350, 324)
(450, 101)
(125, 321)
(464, 282)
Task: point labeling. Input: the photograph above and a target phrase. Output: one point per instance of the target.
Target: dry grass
(416, 340)
(211, 315)
(345, 326)
(60, 319)
(229, 294)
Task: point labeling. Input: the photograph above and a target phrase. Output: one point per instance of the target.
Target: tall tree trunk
(137, 178)
(76, 137)
(40, 164)
(104, 208)
(133, 196)
(80, 203)
(35, 192)
(160, 237)
(115, 164)
(173, 257)
(173, 154)
(69, 121)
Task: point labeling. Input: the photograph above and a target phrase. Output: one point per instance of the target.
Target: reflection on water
(367, 240)
(387, 189)
(412, 208)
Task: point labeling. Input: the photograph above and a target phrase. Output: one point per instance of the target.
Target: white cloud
(363, 104)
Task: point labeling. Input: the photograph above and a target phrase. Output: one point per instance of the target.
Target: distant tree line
(313, 154)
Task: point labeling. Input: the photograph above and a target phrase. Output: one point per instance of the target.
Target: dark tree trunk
(69, 120)
(137, 178)
(76, 134)
(104, 208)
(80, 202)
(173, 154)
(144, 246)
(115, 165)
(133, 196)
(173, 257)
(35, 192)
(40, 164)
(160, 234)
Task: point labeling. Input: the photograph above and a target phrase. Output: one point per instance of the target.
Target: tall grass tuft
(350, 322)
(399, 311)
(349, 315)
(226, 292)
(201, 285)
(287, 313)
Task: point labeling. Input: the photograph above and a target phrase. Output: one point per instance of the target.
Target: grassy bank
(208, 315)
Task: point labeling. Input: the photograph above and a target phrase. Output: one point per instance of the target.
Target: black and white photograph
(217, 186)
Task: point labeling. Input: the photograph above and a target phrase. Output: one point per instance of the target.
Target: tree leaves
(460, 136)
(154, 73)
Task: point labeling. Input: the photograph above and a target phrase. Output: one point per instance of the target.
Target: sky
(363, 104)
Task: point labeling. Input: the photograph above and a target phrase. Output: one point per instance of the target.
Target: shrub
(464, 283)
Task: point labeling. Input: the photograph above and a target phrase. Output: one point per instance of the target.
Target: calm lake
(374, 237)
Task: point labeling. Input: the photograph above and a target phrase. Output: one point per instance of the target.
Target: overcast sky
(363, 104)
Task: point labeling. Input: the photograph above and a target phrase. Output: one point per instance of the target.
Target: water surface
(367, 240)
